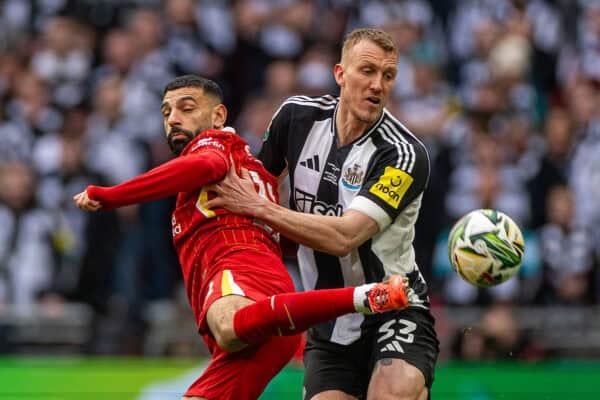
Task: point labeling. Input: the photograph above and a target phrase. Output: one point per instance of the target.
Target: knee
(225, 337)
(220, 317)
(399, 391)
(407, 383)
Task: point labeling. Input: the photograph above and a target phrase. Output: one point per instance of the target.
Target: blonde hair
(377, 36)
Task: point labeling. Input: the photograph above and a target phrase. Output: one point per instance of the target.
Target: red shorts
(256, 274)
(244, 272)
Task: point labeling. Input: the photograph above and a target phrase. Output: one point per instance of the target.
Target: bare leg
(220, 321)
(396, 379)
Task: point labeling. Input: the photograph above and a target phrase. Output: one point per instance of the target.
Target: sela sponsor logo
(308, 203)
(353, 177)
(392, 186)
(208, 142)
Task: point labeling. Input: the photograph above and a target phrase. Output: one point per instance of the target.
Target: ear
(338, 74)
(219, 116)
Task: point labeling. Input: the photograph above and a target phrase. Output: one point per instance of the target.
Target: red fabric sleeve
(182, 174)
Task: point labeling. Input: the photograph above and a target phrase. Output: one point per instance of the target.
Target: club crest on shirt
(353, 177)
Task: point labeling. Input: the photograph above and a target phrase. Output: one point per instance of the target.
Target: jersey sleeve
(275, 141)
(183, 174)
(396, 178)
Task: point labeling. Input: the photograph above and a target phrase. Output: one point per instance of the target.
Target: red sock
(291, 313)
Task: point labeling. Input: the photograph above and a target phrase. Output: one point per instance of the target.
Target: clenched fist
(85, 203)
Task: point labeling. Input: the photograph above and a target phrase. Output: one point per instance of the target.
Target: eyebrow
(179, 100)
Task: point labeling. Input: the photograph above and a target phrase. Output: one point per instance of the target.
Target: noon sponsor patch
(392, 186)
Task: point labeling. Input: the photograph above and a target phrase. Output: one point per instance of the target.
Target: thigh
(245, 374)
(235, 280)
(335, 372)
(405, 350)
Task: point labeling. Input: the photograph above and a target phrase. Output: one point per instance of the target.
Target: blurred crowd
(504, 93)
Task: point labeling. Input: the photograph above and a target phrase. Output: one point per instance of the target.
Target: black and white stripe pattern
(304, 129)
(324, 103)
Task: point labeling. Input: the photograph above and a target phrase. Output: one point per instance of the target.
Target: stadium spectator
(64, 61)
(26, 252)
(566, 251)
(554, 164)
(188, 53)
(31, 106)
(497, 336)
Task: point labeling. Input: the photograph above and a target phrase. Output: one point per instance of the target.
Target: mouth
(375, 101)
(178, 137)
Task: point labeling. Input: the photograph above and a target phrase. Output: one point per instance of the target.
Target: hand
(235, 194)
(85, 203)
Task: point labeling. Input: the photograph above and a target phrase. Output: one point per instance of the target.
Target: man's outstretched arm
(182, 174)
(329, 234)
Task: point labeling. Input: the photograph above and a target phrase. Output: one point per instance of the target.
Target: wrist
(92, 192)
(262, 209)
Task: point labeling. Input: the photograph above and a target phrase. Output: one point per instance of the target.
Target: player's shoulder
(212, 138)
(299, 106)
(400, 144)
(395, 132)
(216, 133)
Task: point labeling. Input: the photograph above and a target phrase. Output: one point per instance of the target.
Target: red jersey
(201, 236)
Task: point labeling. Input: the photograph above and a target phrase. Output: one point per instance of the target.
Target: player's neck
(348, 127)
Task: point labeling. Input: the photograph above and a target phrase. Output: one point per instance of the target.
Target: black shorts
(406, 334)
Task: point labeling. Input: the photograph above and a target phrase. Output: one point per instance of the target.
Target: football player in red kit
(237, 285)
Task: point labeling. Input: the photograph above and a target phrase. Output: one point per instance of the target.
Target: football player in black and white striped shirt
(357, 176)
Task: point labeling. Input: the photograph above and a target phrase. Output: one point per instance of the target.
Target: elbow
(341, 248)
(343, 252)
(344, 244)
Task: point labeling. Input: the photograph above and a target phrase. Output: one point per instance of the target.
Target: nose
(377, 83)
(173, 119)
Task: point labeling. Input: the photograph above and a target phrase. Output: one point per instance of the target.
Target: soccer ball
(485, 247)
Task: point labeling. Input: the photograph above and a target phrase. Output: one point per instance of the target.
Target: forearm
(329, 234)
(178, 175)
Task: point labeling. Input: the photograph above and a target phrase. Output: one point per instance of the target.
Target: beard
(178, 144)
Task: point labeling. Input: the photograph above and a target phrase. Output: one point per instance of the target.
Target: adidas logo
(311, 163)
(393, 346)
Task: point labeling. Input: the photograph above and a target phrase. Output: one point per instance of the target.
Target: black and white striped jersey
(382, 174)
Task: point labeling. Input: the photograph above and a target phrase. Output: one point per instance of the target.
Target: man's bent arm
(329, 234)
(182, 174)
